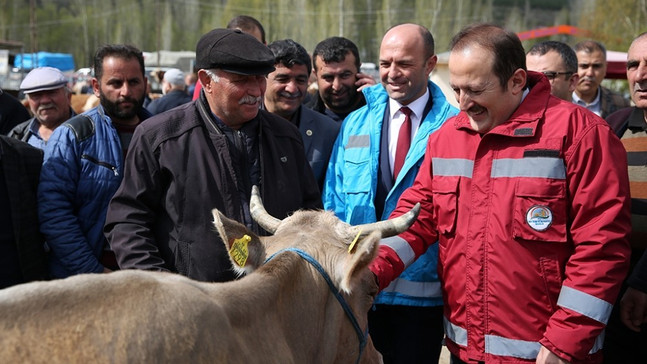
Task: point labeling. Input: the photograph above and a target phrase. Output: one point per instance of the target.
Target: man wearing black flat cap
(207, 154)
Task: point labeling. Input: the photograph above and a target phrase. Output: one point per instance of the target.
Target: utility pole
(158, 31)
(341, 18)
(32, 32)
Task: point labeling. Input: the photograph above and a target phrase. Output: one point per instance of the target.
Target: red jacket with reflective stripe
(534, 212)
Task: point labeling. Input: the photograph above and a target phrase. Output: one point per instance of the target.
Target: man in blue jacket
(83, 164)
(376, 157)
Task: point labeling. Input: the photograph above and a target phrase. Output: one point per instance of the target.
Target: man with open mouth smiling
(528, 198)
(286, 89)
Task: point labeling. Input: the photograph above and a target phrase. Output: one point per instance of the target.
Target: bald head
(406, 59)
(412, 31)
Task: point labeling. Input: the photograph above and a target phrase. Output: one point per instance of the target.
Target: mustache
(126, 99)
(42, 107)
(640, 86)
(249, 100)
(587, 78)
(290, 95)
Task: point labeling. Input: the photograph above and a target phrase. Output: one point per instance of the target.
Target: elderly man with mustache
(208, 154)
(627, 331)
(49, 100)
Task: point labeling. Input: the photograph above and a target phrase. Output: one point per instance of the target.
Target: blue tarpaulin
(62, 61)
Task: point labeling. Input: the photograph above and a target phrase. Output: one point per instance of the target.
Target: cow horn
(391, 227)
(259, 214)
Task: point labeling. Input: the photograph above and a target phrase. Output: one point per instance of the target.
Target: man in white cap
(174, 90)
(50, 102)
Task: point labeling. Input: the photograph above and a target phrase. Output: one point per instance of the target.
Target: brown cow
(284, 312)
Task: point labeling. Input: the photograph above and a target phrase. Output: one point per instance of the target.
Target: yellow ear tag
(352, 245)
(239, 251)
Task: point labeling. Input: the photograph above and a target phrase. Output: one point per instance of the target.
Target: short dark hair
(288, 53)
(123, 51)
(590, 46)
(247, 23)
(504, 45)
(564, 50)
(335, 49)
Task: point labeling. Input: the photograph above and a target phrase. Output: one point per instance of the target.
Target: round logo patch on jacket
(539, 217)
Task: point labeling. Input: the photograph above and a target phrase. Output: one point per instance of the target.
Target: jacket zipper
(103, 164)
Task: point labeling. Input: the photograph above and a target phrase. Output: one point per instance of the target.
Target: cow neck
(361, 335)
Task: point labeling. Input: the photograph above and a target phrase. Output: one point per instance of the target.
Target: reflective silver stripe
(599, 341)
(358, 141)
(585, 304)
(455, 333)
(414, 289)
(498, 345)
(401, 248)
(452, 167)
(540, 167)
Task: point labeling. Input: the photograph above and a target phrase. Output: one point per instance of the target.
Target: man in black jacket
(12, 112)
(204, 155)
(22, 252)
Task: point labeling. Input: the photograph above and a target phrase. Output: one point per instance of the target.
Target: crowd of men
(533, 191)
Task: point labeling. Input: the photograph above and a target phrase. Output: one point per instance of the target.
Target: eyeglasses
(550, 75)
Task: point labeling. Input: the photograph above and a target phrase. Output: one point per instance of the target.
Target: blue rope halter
(361, 335)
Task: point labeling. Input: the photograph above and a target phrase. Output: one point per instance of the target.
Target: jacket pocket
(357, 170)
(552, 277)
(107, 165)
(540, 210)
(445, 197)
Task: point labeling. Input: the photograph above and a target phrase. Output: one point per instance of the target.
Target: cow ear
(246, 252)
(365, 252)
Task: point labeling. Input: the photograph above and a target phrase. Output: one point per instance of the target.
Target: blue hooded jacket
(351, 184)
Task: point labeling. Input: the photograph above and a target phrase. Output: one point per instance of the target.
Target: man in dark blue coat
(286, 90)
(174, 89)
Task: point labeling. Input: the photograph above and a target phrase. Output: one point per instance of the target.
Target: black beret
(233, 51)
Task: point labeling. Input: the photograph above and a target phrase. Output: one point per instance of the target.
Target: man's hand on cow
(633, 309)
(106, 270)
(546, 356)
(364, 80)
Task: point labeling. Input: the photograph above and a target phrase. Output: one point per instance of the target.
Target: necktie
(404, 142)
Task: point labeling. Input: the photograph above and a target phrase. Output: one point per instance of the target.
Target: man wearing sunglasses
(558, 62)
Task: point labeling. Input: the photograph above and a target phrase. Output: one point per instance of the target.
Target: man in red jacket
(528, 196)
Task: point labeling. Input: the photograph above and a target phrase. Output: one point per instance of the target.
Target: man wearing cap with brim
(50, 102)
(208, 154)
(174, 90)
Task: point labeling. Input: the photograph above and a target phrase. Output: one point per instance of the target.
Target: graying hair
(212, 74)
